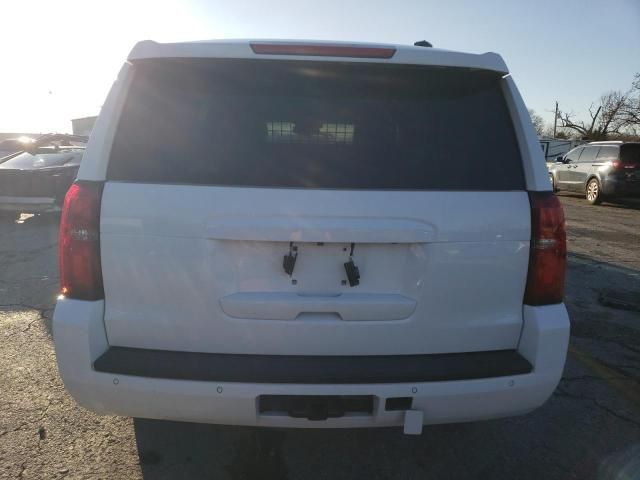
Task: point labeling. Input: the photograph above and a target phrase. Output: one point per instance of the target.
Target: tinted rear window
(316, 125)
(574, 155)
(630, 153)
(607, 153)
(589, 154)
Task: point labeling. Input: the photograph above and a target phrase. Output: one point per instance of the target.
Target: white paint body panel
(96, 154)
(290, 306)
(80, 338)
(168, 270)
(536, 173)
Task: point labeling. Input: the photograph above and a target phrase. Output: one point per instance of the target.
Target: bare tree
(538, 121)
(631, 110)
(561, 134)
(606, 118)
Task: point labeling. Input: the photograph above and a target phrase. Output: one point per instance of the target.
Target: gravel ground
(590, 428)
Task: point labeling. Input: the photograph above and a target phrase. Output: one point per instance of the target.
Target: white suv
(309, 234)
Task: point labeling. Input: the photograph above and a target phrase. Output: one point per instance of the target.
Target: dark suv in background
(599, 170)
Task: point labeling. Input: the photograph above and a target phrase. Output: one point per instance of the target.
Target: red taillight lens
(79, 242)
(548, 254)
(616, 164)
(322, 50)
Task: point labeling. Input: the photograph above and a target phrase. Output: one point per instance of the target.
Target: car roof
(616, 143)
(404, 54)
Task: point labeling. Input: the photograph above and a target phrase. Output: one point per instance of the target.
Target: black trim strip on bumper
(215, 367)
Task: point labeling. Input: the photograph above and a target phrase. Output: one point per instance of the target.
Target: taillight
(617, 164)
(79, 242)
(322, 50)
(548, 252)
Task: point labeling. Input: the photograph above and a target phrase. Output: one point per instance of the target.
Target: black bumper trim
(215, 367)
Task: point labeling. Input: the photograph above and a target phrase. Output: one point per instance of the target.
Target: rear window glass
(573, 155)
(630, 153)
(589, 154)
(315, 125)
(607, 154)
(11, 145)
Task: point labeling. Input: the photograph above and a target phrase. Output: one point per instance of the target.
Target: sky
(60, 57)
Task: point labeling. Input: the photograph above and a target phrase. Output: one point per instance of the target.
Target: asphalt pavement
(590, 428)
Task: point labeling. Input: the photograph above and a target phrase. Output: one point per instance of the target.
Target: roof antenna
(423, 43)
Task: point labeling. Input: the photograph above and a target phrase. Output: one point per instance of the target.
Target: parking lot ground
(608, 233)
(590, 428)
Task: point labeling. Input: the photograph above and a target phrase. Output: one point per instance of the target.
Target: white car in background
(300, 234)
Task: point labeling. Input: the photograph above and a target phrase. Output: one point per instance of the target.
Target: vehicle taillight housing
(616, 164)
(79, 242)
(548, 252)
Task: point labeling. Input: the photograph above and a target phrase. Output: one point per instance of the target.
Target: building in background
(556, 147)
(83, 126)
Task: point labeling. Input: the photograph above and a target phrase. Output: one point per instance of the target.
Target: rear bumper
(28, 204)
(292, 369)
(621, 187)
(80, 340)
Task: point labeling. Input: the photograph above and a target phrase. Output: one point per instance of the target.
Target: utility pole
(555, 120)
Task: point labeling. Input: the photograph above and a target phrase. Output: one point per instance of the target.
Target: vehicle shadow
(184, 450)
(625, 203)
(545, 444)
(632, 203)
